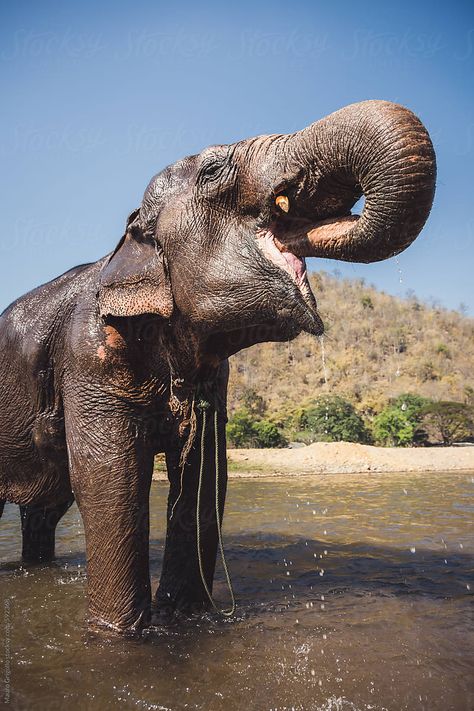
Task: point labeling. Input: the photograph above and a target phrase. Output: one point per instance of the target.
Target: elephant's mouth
(281, 257)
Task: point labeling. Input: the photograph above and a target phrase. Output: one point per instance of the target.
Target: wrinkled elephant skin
(102, 367)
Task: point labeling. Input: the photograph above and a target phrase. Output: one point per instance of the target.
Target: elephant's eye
(211, 170)
(217, 175)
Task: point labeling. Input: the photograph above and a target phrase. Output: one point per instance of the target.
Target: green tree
(394, 428)
(409, 403)
(399, 423)
(240, 432)
(449, 421)
(244, 430)
(268, 434)
(332, 419)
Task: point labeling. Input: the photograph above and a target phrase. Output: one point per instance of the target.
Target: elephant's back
(43, 301)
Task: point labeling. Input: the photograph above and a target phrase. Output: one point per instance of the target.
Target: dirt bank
(342, 458)
(347, 457)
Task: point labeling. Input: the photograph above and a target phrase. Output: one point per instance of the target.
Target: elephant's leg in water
(181, 585)
(38, 528)
(111, 469)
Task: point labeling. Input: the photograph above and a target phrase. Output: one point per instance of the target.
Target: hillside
(376, 347)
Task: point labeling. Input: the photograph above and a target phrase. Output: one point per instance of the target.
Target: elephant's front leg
(181, 586)
(111, 469)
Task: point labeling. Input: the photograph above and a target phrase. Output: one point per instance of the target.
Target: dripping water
(325, 376)
(397, 346)
(399, 270)
(323, 359)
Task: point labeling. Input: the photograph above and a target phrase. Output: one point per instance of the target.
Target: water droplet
(399, 270)
(323, 359)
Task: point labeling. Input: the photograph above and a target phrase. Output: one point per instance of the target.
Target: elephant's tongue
(289, 262)
(297, 264)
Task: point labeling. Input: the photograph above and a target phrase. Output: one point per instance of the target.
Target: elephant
(118, 360)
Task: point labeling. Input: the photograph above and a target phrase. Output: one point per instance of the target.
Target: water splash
(399, 270)
(325, 375)
(323, 359)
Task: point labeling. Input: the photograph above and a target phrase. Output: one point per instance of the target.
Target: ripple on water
(353, 594)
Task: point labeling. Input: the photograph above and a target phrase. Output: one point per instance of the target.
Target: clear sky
(99, 96)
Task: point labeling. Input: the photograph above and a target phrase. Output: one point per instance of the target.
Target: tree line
(407, 420)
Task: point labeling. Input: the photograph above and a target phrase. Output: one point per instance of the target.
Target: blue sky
(99, 96)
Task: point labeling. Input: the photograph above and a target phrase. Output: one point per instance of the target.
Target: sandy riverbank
(345, 458)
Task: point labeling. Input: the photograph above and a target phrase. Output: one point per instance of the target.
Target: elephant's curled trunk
(375, 148)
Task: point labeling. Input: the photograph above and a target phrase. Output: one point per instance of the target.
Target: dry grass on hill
(377, 346)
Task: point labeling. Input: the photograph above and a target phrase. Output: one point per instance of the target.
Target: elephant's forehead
(216, 150)
(164, 185)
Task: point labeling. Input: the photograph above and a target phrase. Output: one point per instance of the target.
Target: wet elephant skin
(102, 368)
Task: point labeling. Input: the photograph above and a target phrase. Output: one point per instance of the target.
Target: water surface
(354, 592)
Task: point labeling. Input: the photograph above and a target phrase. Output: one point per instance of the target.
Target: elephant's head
(220, 238)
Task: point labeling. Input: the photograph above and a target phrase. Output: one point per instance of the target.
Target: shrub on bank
(400, 422)
(244, 430)
(330, 419)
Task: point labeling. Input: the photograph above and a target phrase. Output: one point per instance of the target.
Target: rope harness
(203, 405)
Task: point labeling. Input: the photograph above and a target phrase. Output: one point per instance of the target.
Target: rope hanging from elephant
(203, 405)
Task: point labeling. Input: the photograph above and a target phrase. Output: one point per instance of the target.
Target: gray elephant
(115, 361)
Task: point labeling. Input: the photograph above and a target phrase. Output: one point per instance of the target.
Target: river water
(354, 592)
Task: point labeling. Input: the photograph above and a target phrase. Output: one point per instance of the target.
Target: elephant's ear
(135, 280)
